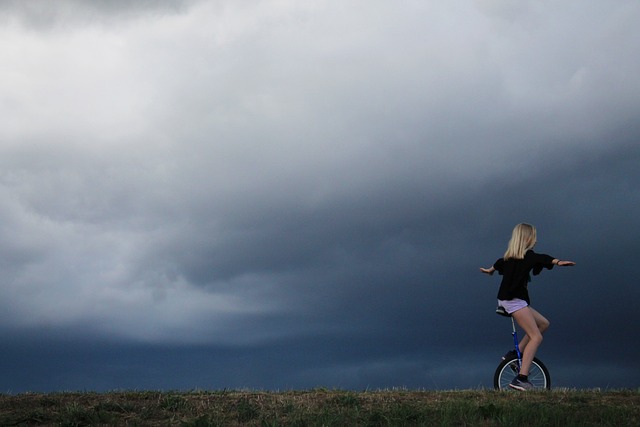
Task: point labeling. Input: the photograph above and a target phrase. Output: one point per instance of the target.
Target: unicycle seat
(502, 312)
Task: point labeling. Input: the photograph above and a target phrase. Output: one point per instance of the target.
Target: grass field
(320, 407)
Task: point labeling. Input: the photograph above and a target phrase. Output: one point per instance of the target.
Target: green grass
(325, 408)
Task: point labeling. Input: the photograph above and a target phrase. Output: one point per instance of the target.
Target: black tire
(508, 369)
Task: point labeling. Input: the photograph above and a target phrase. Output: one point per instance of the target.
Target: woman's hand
(488, 271)
(565, 263)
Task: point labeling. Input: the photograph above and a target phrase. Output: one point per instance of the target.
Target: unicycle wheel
(508, 369)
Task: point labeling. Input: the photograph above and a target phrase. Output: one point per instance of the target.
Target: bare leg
(543, 325)
(527, 322)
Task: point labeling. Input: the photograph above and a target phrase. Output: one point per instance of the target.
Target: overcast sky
(295, 194)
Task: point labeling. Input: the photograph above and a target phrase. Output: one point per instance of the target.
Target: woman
(518, 261)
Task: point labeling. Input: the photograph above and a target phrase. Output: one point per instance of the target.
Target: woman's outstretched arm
(563, 263)
(488, 271)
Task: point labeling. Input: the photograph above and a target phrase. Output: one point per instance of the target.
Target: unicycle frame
(514, 334)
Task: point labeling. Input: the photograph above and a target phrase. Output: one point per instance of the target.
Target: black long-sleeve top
(515, 274)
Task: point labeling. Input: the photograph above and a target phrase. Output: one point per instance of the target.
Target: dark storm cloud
(42, 14)
(281, 195)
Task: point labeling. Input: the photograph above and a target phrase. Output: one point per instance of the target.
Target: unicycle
(508, 369)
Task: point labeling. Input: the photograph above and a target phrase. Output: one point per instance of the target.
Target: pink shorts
(512, 305)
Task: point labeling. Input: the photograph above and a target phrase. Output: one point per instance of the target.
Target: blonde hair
(523, 238)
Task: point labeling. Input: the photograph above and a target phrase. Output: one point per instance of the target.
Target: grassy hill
(322, 407)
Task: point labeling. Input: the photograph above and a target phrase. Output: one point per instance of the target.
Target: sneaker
(522, 385)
